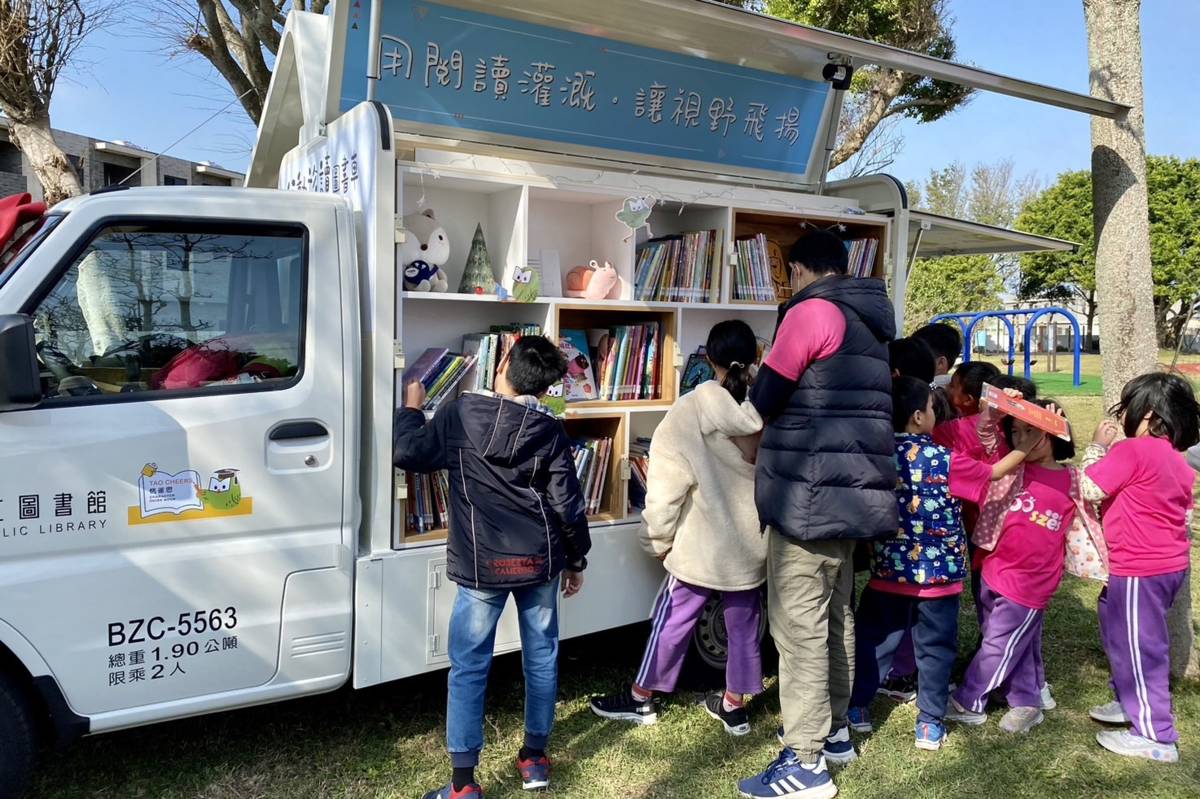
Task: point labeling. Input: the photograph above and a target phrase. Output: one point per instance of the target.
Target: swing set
(968, 321)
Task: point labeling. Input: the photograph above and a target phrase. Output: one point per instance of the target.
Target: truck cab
(178, 503)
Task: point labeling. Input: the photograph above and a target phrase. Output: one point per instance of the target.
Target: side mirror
(20, 381)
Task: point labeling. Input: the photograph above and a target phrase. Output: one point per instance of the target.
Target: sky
(129, 89)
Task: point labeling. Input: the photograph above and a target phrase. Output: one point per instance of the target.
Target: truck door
(176, 513)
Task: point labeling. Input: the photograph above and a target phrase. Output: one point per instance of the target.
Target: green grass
(387, 742)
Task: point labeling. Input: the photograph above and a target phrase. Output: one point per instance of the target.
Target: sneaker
(621, 706)
(1021, 719)
(447, 791)
(1124, 742)
(1112, 713)
(535, 772)
(736, 721)
(838, 749)
(1048, 702)
(930, 735)
(859, 719)
(956, 712)
(788, 778)
(901, 689)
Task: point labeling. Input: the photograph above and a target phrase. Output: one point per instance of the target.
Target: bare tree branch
(38, 40)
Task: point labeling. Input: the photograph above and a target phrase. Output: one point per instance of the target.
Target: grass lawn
(388, 741)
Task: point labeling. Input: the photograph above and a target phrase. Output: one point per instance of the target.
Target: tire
(710, 644)
(17, 738)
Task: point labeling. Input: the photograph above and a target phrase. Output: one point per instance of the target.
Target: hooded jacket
(825, 466)
(700, 493)
(517, 514)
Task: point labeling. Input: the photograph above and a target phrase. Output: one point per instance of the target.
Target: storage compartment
(866, 243)
(600, 445)
(579, 227)
(631, 353)
(684, 260)
(459, 204)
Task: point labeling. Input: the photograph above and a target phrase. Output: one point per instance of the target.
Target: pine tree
(477, 277)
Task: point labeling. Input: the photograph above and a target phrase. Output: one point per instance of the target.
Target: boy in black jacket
(517, 521)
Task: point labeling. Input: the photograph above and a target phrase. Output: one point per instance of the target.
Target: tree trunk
(1122, 221)
(1088, 346)
(49, 163)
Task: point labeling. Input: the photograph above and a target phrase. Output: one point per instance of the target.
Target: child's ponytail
(732, 346)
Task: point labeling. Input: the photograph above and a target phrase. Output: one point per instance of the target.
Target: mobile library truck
(198, 509)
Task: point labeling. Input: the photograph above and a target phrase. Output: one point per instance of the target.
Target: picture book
(697, 371)
(579, 385)
(1036, 415)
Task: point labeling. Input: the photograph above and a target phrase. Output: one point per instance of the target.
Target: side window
(163, 308)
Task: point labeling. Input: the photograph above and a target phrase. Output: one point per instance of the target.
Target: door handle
(292, 430)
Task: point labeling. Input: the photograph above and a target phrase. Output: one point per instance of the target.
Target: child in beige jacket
(700, 520)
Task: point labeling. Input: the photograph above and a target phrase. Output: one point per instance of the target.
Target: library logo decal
(179, 497)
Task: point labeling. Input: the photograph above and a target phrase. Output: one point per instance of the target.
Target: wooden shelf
(431, 536)
(785, 229)
(612, 497)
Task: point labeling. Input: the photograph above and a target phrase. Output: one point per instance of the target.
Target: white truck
(198, 510)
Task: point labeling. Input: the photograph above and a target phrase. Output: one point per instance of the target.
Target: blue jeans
(879, 625)
(472, 641)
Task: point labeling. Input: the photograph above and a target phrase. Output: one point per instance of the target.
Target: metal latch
(626, 471)
(397, 355)
(401, 485)
(398, 225)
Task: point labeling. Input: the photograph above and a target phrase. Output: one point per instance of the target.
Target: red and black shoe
(535, 772)
(472, 791)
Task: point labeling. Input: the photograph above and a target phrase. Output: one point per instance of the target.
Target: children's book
(425, 367)
(697, 371)
(579, 385)
(1036, 415)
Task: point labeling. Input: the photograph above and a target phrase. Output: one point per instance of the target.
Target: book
(593, 456)
(639, 473)
(428, 502)
(424, 366)
(679, 268)
(753, 281)
(1041, 418)
(697, 370)
(488, 351)
(579, 385)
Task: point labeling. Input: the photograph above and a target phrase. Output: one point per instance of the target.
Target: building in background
(101, 163)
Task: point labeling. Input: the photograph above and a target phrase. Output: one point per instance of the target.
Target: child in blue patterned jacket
(917, 574)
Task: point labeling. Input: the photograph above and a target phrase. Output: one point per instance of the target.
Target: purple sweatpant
(1133, 629)
(676, 611)
(1009, 661)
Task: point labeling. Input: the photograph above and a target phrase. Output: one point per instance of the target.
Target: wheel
(710, 643)
(17, 738)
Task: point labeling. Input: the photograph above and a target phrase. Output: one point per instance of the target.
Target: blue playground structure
(968, 321)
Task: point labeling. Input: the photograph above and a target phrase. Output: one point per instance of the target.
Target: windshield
(24, 243)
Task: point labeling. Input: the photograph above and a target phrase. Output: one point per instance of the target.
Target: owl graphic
(223, 492)
(527, 283)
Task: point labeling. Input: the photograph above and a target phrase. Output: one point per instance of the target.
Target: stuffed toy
(605, 284)
(425, 248)
(594, 282)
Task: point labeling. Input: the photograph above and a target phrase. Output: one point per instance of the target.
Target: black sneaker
(621, 706)
(901, 689)
(736, 721)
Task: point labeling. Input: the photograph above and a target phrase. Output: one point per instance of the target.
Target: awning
(934, 236)
(725, 33)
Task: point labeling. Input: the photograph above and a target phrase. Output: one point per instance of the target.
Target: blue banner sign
(452, 68)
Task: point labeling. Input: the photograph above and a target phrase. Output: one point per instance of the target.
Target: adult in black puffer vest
(825, 481)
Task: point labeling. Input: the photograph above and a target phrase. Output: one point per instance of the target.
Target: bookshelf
(660, 324)
(525, 213)
(782, 230)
